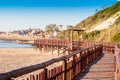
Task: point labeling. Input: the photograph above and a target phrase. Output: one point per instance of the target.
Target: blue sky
(24, 14)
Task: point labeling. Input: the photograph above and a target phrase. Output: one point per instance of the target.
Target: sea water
(13, 44)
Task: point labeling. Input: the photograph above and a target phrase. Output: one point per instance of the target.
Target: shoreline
(18, 39)
(14, 44)
(25, 42)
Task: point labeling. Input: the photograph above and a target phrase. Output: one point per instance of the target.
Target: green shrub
(116, 37)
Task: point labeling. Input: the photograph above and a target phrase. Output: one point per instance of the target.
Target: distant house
(2, 33)
(9, 33)
(19, 32)
(64, 27)
(34, 31)
(57, 29)
(30, 32)
(60, 27)
(69, 26)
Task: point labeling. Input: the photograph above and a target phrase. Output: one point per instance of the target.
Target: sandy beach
(15, 58)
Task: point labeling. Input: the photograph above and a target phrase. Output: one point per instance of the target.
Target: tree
(50, 27)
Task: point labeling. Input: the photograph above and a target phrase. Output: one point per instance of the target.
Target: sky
(25, 14)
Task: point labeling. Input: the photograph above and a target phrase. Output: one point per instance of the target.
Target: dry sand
(11, 59)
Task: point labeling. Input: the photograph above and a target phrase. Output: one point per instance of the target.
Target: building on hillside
(34, 31)
(59, 28)
(9, 33)
(2, 33)
(28, 32)
(63, 27)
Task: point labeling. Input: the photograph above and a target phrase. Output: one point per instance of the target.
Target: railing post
(73, 65)
(64, 69)
(101, 48)
(52, 47)
(96, 52)
(87, 52)
(92, 54)
(81, 60)
(45, 74)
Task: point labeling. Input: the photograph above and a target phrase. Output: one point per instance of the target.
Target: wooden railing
(75, 45)
(51, 42)
(117, 60)
(69, 66)
(109, 46)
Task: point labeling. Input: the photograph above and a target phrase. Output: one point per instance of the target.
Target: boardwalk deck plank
(101, 69)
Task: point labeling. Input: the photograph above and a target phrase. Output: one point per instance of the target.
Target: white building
(64, 27)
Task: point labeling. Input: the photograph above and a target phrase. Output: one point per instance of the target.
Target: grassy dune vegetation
(103, 35)
(98, 18)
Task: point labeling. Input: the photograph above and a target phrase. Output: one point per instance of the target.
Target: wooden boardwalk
(87, 63)
(103, 68)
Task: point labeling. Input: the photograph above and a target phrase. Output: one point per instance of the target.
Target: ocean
(13, 44)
